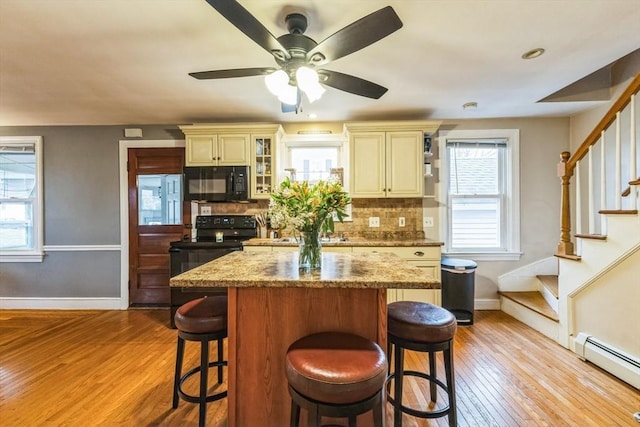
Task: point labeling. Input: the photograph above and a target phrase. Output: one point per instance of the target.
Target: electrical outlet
(427, 222)
(374, 221)
(205, 210)
(401, 222)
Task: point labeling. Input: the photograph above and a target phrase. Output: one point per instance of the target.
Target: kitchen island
(272, 304)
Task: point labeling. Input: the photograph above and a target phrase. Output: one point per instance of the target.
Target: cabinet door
(263, 165)
(404, 156)
(233, 150)
(367, 160)
(201, 150)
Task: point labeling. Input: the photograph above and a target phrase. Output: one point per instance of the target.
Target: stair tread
(533, 301)
(619, 211)
(550, 282)
(592, 236)
(567, 256)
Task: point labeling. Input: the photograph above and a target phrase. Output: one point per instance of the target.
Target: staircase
(588, 292)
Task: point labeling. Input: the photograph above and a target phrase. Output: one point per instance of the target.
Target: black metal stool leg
(220, 359)
(433, 372)
(178, 373)
(451, 386)
(204, 377)
(398, 356)
(295, 414)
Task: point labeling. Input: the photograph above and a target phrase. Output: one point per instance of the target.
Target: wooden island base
(263, 322)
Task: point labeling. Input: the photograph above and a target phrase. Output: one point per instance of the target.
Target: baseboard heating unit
(615, 361)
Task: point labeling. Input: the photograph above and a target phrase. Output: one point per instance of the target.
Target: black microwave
(216, 183)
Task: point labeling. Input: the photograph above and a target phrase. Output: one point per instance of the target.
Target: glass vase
(310, 251)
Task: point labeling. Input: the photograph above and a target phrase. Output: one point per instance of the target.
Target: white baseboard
(486, 304)
(60, 303)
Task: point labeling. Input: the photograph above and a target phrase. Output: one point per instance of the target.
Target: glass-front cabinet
(263, 171)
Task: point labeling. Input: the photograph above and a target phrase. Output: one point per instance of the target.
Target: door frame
(123, 147)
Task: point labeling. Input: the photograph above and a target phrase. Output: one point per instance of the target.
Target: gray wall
(541, 142)
(81, 207)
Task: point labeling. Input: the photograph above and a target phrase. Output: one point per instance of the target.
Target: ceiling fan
(298, 56)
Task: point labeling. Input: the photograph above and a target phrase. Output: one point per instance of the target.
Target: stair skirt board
(612, 360)
(536, 321)
(548, 296)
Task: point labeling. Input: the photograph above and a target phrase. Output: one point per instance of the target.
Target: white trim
(512, 228)
(124, 146)
(485, 256)
(81, 248)
(35, 254)
(486, 304)
(60, 303)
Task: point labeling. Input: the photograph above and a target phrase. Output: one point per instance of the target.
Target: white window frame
(37, 253)
(510, 223)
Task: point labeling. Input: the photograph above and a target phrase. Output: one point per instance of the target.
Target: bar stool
(203, 320)
(425, 328)
(336, 374)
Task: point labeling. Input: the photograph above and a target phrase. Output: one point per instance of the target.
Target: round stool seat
(335, 367)
(203, 315)
(420, 322)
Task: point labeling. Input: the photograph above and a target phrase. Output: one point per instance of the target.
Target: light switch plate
(374, 221)
(401, 222)
(427, 222)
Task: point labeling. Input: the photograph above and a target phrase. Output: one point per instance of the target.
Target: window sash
(477, 213)
(21, 199)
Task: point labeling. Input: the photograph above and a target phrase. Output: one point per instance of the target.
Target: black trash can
(458, 288)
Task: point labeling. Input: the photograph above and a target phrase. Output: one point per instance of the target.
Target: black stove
(216, 236)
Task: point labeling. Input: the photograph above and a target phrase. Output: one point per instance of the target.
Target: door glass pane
(159, 199)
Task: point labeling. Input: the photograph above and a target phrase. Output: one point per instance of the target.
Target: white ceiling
(126, 61)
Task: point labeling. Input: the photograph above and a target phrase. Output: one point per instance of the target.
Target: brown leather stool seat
(336, 374)
(203, 320)
(427, 328)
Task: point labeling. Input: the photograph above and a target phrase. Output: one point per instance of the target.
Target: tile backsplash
(388, 210)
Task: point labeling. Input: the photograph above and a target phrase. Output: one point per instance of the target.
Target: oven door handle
(172, 249)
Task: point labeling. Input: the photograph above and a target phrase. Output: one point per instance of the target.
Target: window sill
(25, 256)
(485, 256)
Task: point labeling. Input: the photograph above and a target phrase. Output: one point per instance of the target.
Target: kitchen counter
(280, 270)
(349, 242)
(272, 304)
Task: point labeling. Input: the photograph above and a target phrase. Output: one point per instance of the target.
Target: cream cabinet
(216, 145)
(263, 165)
(424, 257)
(386, 159)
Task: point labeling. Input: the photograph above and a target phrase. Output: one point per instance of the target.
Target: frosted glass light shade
(277, 82)
(307, 79)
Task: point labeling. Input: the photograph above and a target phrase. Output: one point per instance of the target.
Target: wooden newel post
(565, 246)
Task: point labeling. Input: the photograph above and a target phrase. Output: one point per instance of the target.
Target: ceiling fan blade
(250, 26)
(355, 36)
(351, 84)
(226, 74)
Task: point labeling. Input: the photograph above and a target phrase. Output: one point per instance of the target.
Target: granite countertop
(280, 270)
(351, 241)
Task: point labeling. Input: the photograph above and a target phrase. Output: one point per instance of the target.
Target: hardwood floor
(114, 368)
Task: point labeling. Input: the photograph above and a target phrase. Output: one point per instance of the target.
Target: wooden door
(154, 221)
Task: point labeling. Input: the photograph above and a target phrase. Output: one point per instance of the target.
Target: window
(21, 199)
(160, 199)
(481, 191)
(312, 157)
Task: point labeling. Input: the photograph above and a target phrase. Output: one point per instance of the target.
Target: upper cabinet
(264, 161)
(386, 158)
(217, 145)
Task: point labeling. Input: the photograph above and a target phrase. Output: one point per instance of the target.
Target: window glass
(159, 199)
(480, 209)
(18, 196)
(313, 163)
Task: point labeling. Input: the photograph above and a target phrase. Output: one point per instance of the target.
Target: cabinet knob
(418, 253)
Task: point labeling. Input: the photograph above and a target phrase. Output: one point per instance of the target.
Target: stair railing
(611, 152)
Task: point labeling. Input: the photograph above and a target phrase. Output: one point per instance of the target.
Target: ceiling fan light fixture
(307, 79)
(289, 95)
(277, 82)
